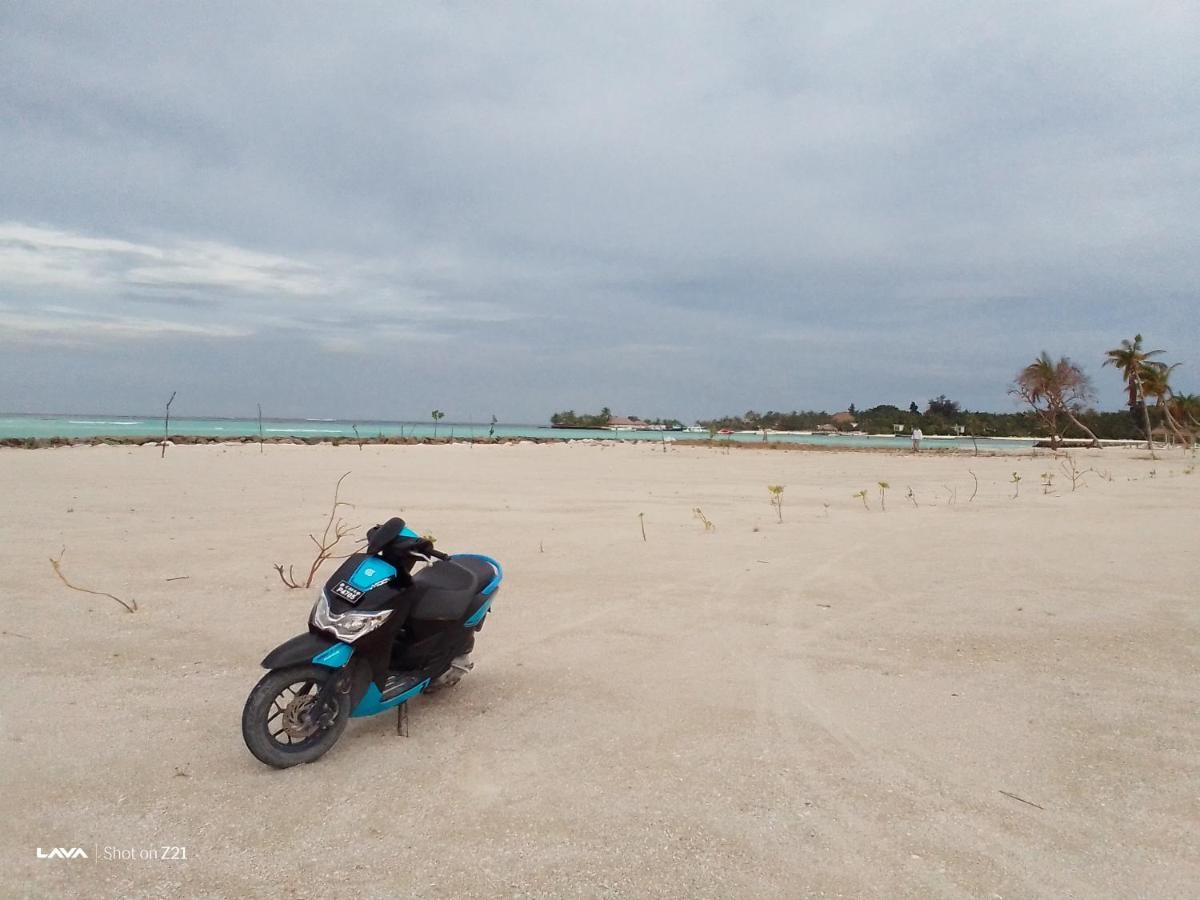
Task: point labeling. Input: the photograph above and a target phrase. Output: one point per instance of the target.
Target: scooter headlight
(349, 626)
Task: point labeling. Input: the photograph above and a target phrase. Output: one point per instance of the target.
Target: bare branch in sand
(976, 491)
(166, 428)
(336, 528)
(131, 606)
(1071, 469)
(1023, 800)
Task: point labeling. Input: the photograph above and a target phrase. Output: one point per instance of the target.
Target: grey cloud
(917, 199)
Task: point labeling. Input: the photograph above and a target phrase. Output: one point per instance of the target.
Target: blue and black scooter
(378, 636)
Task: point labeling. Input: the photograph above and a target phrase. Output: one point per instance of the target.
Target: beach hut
(843, 421)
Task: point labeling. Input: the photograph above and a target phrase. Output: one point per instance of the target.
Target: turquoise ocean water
(87, 426)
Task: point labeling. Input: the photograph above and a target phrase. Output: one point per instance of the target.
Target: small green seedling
(1016, 483)
(776, 497)
(698, 513)
(1047, 482)
(913, 497)
(883, 489)
(862, 495)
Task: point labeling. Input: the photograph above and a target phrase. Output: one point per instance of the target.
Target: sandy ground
(833, 706)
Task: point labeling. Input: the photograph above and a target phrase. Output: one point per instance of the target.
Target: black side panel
(300, 649)
(376, 648)
(361, 677)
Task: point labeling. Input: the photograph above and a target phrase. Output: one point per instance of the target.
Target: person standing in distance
(916, 439)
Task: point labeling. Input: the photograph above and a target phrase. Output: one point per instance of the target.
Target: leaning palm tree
(1156, 384)
(1052, 388)
(1186, 408)
(1131, 360)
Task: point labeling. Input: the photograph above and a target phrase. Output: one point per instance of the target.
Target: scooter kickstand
(402, 719)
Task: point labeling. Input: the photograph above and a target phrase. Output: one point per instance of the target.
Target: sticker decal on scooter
(371, 573)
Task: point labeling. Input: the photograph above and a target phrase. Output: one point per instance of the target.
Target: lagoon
(118, 426)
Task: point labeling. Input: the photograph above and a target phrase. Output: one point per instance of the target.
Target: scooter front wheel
(280, 724)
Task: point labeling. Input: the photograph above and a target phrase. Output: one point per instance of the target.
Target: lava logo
(61, 853)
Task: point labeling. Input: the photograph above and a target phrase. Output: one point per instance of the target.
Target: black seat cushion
(445, 589)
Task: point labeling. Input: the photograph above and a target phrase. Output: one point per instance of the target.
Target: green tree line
(1057, 397)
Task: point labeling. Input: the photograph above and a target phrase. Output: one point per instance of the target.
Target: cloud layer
(680, 209)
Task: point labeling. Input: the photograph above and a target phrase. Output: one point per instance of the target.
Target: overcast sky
(683, 209)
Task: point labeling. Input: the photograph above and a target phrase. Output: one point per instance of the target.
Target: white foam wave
(305, 430)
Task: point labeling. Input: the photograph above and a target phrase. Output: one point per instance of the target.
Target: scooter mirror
(381, 536)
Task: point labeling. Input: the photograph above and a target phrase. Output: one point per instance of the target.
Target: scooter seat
(445, 589)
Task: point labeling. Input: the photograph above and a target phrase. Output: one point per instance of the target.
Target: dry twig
(325, 545)
(1023, 800)
(166, 431)
(131, 606)
(1071, 469)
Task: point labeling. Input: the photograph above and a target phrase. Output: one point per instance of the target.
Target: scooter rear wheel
(275, 726)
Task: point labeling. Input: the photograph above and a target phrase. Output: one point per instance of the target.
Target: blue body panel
(408, 532)
(335, 657)
(373, 702)
(371, 573)
(477, 616)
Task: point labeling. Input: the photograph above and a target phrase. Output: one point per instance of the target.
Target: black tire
(266, 714)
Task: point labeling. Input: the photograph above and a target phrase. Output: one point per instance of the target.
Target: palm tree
(1052, 388)
(436, 414)
(1186, 408)
(1156, 383)
(1131, 360)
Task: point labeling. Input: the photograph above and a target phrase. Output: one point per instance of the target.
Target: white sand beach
(987, 697)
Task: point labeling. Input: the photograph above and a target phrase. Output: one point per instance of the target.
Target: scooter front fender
(307, 647)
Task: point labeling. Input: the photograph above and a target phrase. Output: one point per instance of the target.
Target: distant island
(605, 419)
(940, 416)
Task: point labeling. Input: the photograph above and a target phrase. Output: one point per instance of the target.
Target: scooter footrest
(398, 683)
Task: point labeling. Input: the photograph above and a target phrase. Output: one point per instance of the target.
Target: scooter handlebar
(420, 546)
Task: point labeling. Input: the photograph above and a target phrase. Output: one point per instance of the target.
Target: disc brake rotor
(296, 721)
